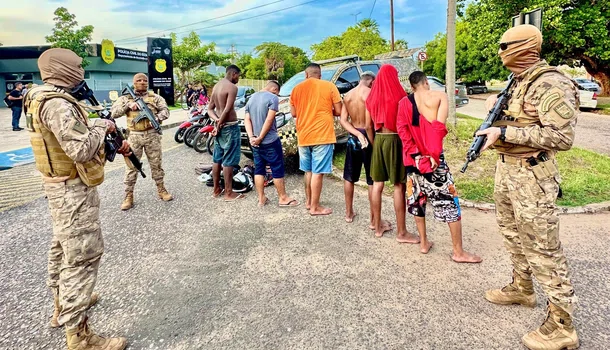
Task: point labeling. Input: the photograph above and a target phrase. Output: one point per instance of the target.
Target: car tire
(470, 92)
(484, 90)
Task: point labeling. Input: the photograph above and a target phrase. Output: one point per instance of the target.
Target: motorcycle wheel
(190, 134)
(211, 141)
(179, 136)
(200, 142)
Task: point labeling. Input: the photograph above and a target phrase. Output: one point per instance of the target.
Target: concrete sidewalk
(12, 140)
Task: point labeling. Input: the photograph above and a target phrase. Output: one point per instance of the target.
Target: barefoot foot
(385, 225)
(407, 238)
(350, 218)
(466, 258)
(425, 247)
(320, 211)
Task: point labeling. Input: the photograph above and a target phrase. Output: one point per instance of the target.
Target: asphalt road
(199, 273)
(592, 130)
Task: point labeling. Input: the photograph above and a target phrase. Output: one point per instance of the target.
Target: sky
(287, 21)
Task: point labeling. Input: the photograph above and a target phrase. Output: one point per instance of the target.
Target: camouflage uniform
(142, 137)
(524, 196)
(77, 244)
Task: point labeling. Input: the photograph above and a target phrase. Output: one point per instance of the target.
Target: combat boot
(163, 194)
(519, 291)
(127, 202)
(556, 333)
(57, 308)
(83, 338)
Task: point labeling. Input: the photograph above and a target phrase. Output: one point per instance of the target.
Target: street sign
(422, 56)
(534, 18)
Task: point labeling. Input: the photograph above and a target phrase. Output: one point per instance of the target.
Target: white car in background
(588, 85)
(588, 99)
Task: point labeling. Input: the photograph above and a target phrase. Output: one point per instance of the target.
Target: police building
(110, 68)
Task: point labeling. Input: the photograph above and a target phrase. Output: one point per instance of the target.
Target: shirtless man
(355, 121)
(421, 126)
(227, 151)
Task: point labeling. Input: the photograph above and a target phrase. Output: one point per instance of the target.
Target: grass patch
(585, 174)
(174, 107)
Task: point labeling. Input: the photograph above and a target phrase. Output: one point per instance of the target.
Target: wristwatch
(503, 133)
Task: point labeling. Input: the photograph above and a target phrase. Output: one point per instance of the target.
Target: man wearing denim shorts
(314, 103)
(266, 144)
(227, 152)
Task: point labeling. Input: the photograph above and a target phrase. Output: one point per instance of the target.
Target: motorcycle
(196, 117)
(194, 130)
(201, 140)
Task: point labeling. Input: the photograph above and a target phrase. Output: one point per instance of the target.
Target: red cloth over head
(382, 102)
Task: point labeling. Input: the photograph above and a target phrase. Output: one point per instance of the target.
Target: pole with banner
(161, 68)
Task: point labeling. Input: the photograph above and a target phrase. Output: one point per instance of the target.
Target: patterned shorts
(439, 189)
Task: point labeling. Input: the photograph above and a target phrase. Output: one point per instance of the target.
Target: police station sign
(127, 54)
(161, 68)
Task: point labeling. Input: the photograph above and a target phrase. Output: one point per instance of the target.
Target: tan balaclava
(61, 67)
(142, 84)
(524, 52)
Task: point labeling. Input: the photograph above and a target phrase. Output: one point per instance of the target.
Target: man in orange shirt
(314, 103)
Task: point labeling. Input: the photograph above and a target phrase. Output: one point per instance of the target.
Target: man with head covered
(142, 136)
(69, 152)
(539, 122)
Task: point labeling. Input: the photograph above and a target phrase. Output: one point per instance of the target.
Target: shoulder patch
(564, 110)
(549, 100)
(79, 127)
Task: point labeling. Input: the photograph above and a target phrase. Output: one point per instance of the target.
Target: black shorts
(355, 159)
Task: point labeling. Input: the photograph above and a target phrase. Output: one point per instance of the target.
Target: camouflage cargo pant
(76, 248)
(526, 215)
(149, 142)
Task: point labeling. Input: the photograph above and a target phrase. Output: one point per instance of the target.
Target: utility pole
(392, 21)
(450, 72)
(355, 16)
(232, 51)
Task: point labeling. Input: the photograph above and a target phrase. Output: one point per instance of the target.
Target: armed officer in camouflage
(142, 136)
(539, 122)
(69, 152)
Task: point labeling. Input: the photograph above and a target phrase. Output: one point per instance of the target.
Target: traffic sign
(422, 56)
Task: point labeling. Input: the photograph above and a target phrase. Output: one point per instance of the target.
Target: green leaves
(66, 34)
(276, 61)
(362, 39)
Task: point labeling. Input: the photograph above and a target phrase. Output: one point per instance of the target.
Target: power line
(205, 20)
(374, 2)
(245, 19)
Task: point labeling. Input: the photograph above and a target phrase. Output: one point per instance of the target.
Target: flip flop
(329, 212)
(292, 203)
(218, 195)
(264, 204)
(239, 196)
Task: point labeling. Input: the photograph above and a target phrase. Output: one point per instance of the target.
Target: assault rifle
(497, 111)
(114, 140)
(145, 112)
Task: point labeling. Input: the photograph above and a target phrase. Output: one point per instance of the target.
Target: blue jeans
(317, 159)
(269, 154)
(16, 116)
(227, 151)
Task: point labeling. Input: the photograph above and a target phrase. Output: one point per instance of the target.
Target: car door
(348, 79)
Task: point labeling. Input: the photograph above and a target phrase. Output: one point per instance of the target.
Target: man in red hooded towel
(386, 161)
(421, 126)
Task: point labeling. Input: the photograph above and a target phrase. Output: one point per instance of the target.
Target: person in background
(16, 99)
(266, 145)
(386, 161)
(314, 103)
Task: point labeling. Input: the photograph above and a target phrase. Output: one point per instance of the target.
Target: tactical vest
(516, 116)
(51, 160)
(143, 124)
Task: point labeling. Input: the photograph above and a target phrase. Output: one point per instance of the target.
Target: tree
(363, 39)
(575, 32)
(243, 60)
(190, 55)
(66, 34)
(276, 61)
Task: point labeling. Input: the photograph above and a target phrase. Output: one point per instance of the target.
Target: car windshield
(286, 89)
(241, 91)
(584, 81)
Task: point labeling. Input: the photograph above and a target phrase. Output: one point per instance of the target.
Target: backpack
(8, 102)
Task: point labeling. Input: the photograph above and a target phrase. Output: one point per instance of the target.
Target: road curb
(584, 209)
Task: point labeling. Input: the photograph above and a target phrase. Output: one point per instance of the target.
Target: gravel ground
(198, 273)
